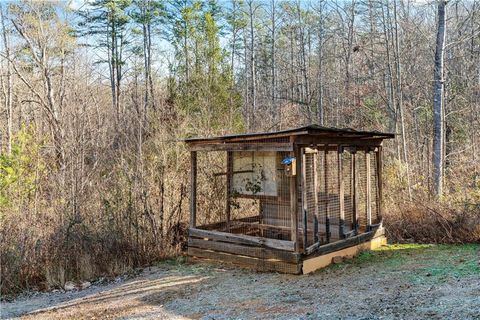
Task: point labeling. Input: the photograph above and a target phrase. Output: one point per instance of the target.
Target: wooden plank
(193, 189)
(249, 262)
(257, 252)
(327, 202)
(315, 196)
(221, 224)
(293, 201)
(309, 140)
(315, 263)
(368, 205)
(245, 146)
(351, 241)
(304, 199)
(242, 239)
(341, 192)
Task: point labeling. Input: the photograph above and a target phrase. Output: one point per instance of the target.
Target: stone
(69, 286)
(84, 285)
(337, 259)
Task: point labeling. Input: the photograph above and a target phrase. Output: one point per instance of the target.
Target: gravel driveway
(394, 282)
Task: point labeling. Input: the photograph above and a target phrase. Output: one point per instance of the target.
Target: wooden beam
(221, 225)
(309, 140)
(311, 264)
(242, 239)
(193, 189)
(257, 252)
(298, 168)
(368, 205)
(341, 192)
(304, 199)
(248, 262)
(293, 200)
(351, 241)
(327, 200)
(245, 146)
(315, 196)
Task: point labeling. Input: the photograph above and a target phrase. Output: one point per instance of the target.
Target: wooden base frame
(276, 255)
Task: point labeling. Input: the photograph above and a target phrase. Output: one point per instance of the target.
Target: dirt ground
(394, 282)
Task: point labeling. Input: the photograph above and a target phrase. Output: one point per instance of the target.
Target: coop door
(310, 197)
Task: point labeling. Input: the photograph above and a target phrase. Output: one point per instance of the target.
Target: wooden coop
(286, 201)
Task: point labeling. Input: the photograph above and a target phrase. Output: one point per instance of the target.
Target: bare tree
(438, 101)
(8, 91)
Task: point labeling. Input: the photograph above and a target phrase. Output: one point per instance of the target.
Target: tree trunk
(253, 88)
(438, 93)
(400, 98)
(9, 89)
(274, 79)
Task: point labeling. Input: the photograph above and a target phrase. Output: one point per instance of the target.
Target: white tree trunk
(438, 93)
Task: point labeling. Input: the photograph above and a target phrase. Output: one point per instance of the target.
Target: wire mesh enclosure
(272, 200)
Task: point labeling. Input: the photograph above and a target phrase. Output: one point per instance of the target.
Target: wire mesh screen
(322, 176)
(361, 190)
(309, 187)
(211, 189)
(248, 192)
(374, 200)
(244, 192)
(348, 190)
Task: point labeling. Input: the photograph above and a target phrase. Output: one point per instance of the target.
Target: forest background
(97, 96)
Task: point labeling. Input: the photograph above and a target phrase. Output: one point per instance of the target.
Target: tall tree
(108, 22)
(8, 86)
(438, 101)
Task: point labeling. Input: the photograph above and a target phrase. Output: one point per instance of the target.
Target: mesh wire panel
(260, 194)
(361, 189)
(211, 189)
(374, 187)
(308, 217)
(248, 192)
(348, 190)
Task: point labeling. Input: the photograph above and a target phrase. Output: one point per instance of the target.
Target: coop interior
(250, 193)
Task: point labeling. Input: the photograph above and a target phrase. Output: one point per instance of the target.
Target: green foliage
(20, 170)
(203, 83)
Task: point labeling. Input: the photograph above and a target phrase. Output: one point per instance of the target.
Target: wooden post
(353, 186)
(293, 198)
(193, 189)
(341, 193)
(229, 187)
(327, 200)
(315, 196)
(304, 199)
(368, 206)
(379, 184)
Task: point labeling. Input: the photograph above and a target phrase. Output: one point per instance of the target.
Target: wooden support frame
(368, 190)
(341, 193)
(242, 147)
(294, 197)
(255, 242)
(304, 199)
(315, 197)
(241, 239)
(193, 189)
(327, 196)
